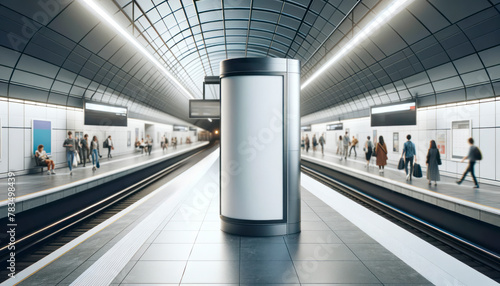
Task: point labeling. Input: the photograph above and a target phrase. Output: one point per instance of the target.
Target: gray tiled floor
(330, 250)
(191, 250)
(487, 195)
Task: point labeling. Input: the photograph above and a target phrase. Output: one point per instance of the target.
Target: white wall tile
(16, 114)
(487, 114)
(16, 145)
(497, 154)
(487, 146)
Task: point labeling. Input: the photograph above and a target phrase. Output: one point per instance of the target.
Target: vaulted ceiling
(434, 51)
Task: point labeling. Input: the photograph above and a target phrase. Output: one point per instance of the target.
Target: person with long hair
(433, 161)
(94, 147)
(44, 160)
(381, 154)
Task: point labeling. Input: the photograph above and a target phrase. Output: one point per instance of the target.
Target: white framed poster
(395, 142)
(441, 142)
(460, 133)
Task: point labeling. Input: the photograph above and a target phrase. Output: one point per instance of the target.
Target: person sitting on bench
(44, 160)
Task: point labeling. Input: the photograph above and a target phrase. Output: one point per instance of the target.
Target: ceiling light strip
(108, 19)
(393, 8)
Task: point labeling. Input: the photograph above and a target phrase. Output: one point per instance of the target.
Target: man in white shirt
(110, 146)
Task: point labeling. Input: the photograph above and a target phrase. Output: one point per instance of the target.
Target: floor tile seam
(125, 275)
(344, 243)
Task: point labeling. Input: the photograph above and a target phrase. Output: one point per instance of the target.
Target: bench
(38, 165)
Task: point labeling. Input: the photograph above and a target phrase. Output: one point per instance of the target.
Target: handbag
(75, 163)
(417, 171)
(77, 158)
(401, 164)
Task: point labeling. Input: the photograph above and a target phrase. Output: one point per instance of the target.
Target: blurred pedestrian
(433, 161)
(339, 145)
(381, 154)
(346, 142)
(302, 143)
(322, 142)
(410, 155)
(70, 145)
(368, 151)
(85, 149)
(315, 142)
(109, 145)
(354, 143)
(473, 156)
(94, 147)
(307, 143)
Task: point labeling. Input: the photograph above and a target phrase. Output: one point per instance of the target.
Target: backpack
(105, 144)
(477, 154)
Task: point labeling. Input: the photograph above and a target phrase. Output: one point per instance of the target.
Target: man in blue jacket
(409, 153)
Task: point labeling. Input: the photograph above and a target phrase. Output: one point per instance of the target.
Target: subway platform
(38, 189)
(481, 204)
(172, 237)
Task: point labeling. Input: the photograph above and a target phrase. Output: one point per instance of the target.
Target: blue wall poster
(42, 134)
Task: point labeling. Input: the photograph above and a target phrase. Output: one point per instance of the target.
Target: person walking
(381, 154)
(433, 161)
(149, 142)
(410, 155)
(85, 149)
(302, 143)
(368, 151)
(70, 145)
(110, 146)
(339, 146)
(94, 147)
(315, 142)
(354, 143)
(164, 142)
(473, 156)
(307, 143)
(44, 160)
(322, 143)
(346, 142)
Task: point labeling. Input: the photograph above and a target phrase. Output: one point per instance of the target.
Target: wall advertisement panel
(41, 133)
(441, 142)
(460, 133)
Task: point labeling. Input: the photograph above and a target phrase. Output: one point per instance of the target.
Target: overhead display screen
(394, 115)
(181, 128)
(305, 128)
(201, 108)
(336, 126)
(105, 115)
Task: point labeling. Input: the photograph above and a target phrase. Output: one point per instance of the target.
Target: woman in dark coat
(381, 154)
(433, 161)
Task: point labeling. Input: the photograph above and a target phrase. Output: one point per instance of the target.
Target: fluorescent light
(376, 23)
(209, 119)
(107, 18)
(393, 108)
